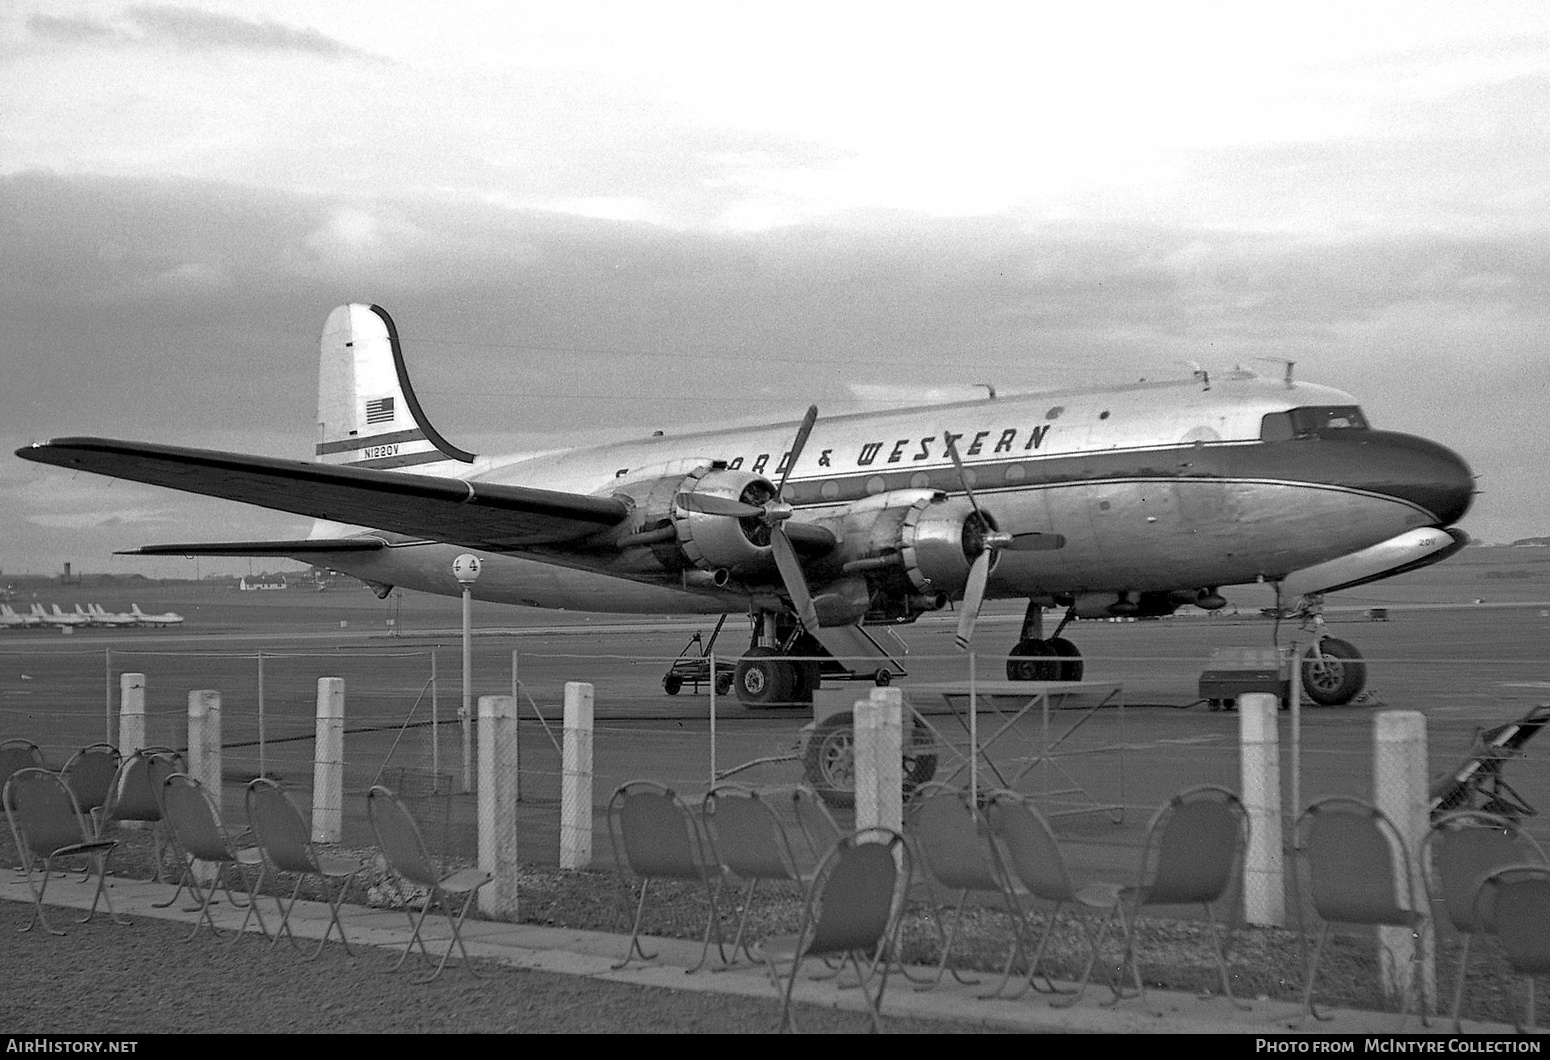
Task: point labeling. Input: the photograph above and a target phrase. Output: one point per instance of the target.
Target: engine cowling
(912, 544)
(713, 547)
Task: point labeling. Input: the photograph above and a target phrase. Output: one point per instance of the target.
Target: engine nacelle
(708, 547)
(914, 545)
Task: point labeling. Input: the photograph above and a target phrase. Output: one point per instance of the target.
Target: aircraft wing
(486, 516)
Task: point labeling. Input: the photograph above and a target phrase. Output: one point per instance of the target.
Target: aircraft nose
(1431, 476)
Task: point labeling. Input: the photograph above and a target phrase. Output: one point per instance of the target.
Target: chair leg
(742, 923)
(456, 925)
(37, 897)
(334, 905)
(635, 946)
(712, 922)
(1221, 961)
(1313, 974)
(1458, 984)
(206, 898)
(101, 861)
(1095, 947)
(283, 930)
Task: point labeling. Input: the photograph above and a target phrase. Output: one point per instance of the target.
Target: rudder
(368, 415)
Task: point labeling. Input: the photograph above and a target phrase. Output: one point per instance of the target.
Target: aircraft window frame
(1310, 421)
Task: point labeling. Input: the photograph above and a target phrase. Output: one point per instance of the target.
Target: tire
(671, 684)
(1072, 668)
(1338, 677)
(764, 679)
(1032, 660)
(830, 761)
(723, 682)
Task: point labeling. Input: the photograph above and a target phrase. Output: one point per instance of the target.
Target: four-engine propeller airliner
(1130, 500)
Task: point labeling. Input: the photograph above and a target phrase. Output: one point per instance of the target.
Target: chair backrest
(279, 828)
(43, 811)
(194, 819)
(1028, 846)
(1194, 844)
(655, 833)
(1516, 899)
(856, 892)
(954, 847)
(137, 789)
(90, 772)
(1357, 863)
(1464, 848)
(19, 754)
(399, 839)
(746, 835)
(819, 829)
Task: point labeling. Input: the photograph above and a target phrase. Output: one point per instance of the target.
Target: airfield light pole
(466, 569)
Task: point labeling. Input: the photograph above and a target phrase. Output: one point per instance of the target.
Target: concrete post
(1400, 778)
(131, 713)
(205, 741)
(1264, 870)
(576, 778)
(498, 804)
(879, 760)
(328, 763)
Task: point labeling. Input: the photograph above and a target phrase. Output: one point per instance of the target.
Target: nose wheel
(1333, 672)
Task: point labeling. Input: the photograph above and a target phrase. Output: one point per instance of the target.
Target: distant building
(258, 585)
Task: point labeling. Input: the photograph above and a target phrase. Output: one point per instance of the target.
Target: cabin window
(1309, 421)
(829, 490)
(920, 480)
(875, 484)
(1015, 473)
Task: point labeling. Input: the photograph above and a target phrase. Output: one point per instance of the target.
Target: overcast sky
(594, 217)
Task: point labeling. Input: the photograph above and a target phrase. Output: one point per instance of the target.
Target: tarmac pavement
(593, 954)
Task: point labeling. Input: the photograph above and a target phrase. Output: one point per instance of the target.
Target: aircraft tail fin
(368, 415)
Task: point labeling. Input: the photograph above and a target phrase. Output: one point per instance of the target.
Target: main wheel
(1032, 660)
(764, 679)
(1071, 667)
(672, 683)
(830, 762)
(1335, 675)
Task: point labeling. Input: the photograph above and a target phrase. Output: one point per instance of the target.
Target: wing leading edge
(486, 516)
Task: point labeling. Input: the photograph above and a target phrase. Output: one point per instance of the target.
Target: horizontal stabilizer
(478, 515)
(259, 548)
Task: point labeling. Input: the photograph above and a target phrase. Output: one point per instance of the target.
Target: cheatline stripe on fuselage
(346, 445)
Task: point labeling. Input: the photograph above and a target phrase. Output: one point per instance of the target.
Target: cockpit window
(1309, 420)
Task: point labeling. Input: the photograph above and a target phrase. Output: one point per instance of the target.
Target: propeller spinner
(773, 513)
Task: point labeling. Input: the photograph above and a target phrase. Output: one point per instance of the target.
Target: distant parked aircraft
(101, 617)
(57, 617)
(11, 620)
(166, 618)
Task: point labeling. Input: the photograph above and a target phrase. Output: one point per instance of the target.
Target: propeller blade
(963, 475)
(709, 504)
(796, 582)
(973, 597)
(1034, 542)
(797, 446)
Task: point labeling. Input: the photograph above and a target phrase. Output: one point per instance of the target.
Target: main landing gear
(1033, 658)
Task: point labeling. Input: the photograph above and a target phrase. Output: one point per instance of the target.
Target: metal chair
(851, 911)
(1037, 867)
(90, 773)
(135, 795)
(1515, 902)
(1194, 848)
(399, 839)
(1358, 869)
(749, 842)
(19, 754)
(285, 843)
(1462, 849)
(656, 836)
(954, 851)
(47, 824)
(202, 837)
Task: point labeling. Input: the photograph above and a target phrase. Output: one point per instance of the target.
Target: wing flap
(304, 546)
(480, 515)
